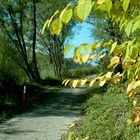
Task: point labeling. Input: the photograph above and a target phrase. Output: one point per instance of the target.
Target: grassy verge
(106, 113)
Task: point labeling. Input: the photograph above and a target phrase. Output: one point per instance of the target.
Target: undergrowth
(106, 113)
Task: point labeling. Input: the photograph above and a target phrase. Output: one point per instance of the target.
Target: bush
(83, 72)
(106, 116)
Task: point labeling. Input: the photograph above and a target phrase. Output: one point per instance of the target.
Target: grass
(106, 112)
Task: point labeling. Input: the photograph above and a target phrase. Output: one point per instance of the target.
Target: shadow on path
(48, 122)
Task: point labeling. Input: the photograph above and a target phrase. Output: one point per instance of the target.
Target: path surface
(45, 123)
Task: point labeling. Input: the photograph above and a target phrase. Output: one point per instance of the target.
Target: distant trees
(21, 22)
(54, 45)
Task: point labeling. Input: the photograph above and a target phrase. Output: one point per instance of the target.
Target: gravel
(46, 123)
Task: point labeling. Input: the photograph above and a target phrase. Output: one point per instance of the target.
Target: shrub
(106, 116)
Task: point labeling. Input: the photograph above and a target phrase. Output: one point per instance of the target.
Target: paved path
(45, 123)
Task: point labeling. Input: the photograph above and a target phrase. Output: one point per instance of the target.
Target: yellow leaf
(70, 135)
(129, 121)
(128, 63)
(92, 82)
(92, 56)
(75, 83)
(135, 101)
(76, 16)
(83, 9)
(66, 15)
(67, 48)
(50, 21)
(102, 56)
(66, 82)
(102, 81)
(125, 4)
(133, 85)
(131, 94)
(56, 27)
(136, 26)
(108, 75)
(83, 82)
(137, 121)
(85, 58)
(100, 1)
(114, 61)
(108, 6)
(129, 28)
(113, 47)
(44, 26)
(86, 138)
(71, 125)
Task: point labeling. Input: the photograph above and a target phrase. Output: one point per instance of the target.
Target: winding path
(48, 122)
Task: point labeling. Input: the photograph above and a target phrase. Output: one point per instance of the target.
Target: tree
(124, 14)
(18, 22)
(9, 70)
(54, 45)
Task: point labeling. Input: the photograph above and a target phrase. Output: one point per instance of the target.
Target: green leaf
(108, 6)
(136, 26)
(127, 53)
(50, 21)
(125, 4)
(113, 47)
(88, 48)
(83, 10)
(80, 49)
(67, 48)
(55, 27)
(97, 45)
(66, 15)
(129, 28)
(134, 51)
(100, 1)
(75, 15)
(44, 26)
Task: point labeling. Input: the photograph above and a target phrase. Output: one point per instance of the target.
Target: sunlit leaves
(75, 83)
(108, 6)
(125, 4)
(66, 15)
(108, 75)
(85, 58)
(100, 1)
(136, 25)
(55, 27)
(129, 28)
(92, 82)
(83, 9)
(125, 14)
(132, 86)
(48, 23)
(102, 80)
(67, 48)
(113, 47)
(114, 61)
(44, 27)
(83, 82)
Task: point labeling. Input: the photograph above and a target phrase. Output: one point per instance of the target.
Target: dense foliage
(124, 14)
